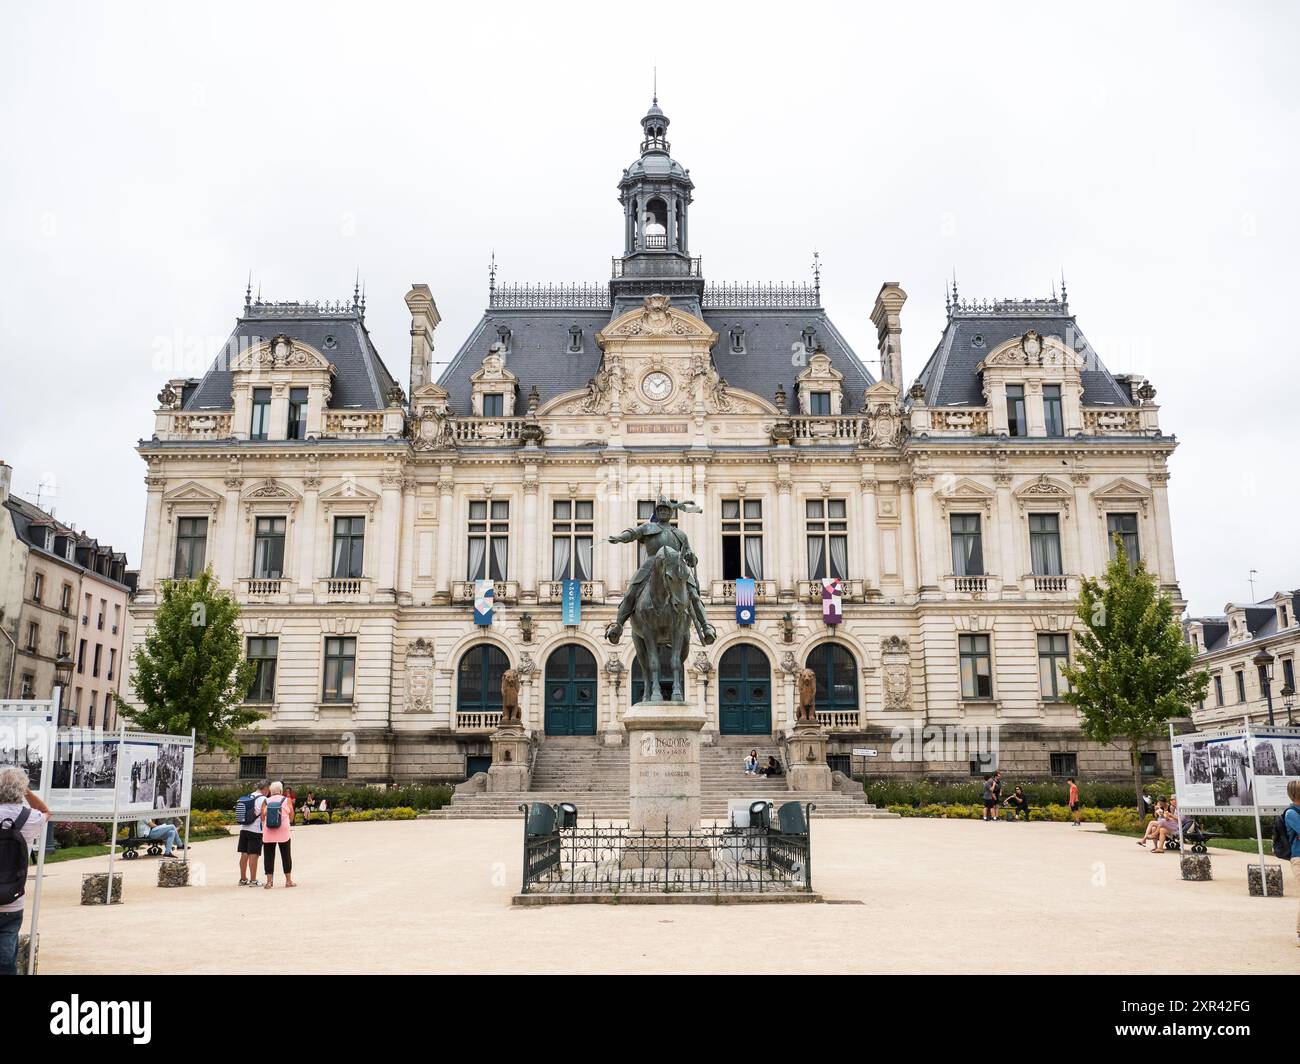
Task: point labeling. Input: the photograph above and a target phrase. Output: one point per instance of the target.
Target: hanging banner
(832, 599)
(746, 590)
(483, 595)
(571, 599)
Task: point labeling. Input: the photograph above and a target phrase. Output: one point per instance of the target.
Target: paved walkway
(936, 896)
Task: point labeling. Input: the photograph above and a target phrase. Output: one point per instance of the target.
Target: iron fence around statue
(591, 858)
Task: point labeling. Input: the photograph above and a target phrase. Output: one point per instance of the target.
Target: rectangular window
(1053, 414)
(1218, 690)
(340, 668)
(81, 656)
(263, 652)
(827, 525)
(1150, 764)
(494, 404)
(489, 539)
(61, 647)
(349, 547)
(1288, 673)
(1241, 684)
(94, 668)
(33, 637)
(742, 538)
(252, 767)
(572, 535)
(90, 722)
(1053, 655)
(268, 548)
(103, 612)
(191, 546)
(297, 414)
(1045, 544)
(112, 661)
(65, 600)
(1016, 423)
(819, 403)
(967, 545)
(261, 414)
(1264, 685)
(976, 666)
(28, 686)
(1065, 764)
(1125, 526)
(333, 768)
(38, 587)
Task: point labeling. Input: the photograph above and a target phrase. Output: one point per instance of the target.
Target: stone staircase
(594, 777)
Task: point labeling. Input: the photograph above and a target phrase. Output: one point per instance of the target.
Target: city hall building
(351, 518)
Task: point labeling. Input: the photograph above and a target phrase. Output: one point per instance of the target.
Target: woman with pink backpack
(277, 825)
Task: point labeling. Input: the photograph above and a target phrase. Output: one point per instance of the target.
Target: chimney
(6, 479)
(424, 319)
(889, 332)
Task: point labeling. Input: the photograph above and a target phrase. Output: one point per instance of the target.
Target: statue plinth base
(663, 741)
(660, 853)
(808, 770)
(509, 769)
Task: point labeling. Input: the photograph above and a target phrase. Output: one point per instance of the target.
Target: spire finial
(248, 291)
(654, 94)
(817, 275)
(356, 288)
(954, 286)
(1065, 299)
(492, 275)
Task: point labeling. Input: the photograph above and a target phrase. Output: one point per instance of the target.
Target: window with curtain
(976, 666)
(827, 526)
(261, 422)
(1241, 685)
(268, 548)
(742, 538)
(572, 532)
(1125, 526)
(1218, 690)
(191, 547)
(1053, 656)
(1016, 422)
(340, 669)
(1053, 412)
(1045, 544)
(489, 539)
(349, 547)
(967, 545)
(263, 653)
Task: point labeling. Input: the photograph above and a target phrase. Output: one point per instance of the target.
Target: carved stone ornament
(893, 644)
(789, 664)
(702, 665)
(526, 667)
(1032, 344)
(167, 398)
(419, 646)
(897, 680)
(419, 676)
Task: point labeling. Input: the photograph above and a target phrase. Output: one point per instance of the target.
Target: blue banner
(483, 595)
(745, 596)
(571, 611)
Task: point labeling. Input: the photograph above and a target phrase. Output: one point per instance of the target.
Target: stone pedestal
(1195, 866)
(808, 770)
(1274, 881)
(509, 769)
(663, 741)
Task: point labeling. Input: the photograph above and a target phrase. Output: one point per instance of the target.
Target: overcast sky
(156, 153)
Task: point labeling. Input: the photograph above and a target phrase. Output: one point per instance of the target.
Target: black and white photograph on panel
(138, 780)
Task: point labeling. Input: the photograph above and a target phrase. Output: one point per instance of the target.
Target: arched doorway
(744, 691)
(571, 691)
(478, 679)
(837, 680)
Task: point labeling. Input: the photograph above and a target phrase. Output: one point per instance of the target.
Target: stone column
(406, 542)
(532, 533)
(150, 564)
(1007, 534)
(924, 502)
(907, 535)
(785, 533)
(612, 553)
(389, 532)
(870, 534)
(1083, 525)
(1164, 532)
(306, 546)
(1037, 421)
(446, 509)
(230, 534)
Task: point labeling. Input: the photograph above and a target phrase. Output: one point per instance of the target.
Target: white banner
(1232, 771)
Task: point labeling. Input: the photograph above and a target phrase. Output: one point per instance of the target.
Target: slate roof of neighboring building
(951, 379)
(539, 351)
(361, 380)
(1261, 621)
(27, 518)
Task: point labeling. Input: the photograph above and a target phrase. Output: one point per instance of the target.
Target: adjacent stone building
(1226, 647)
(351, 519)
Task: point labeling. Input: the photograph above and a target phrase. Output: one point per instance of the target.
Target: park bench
(133, 844)
(1195, 839)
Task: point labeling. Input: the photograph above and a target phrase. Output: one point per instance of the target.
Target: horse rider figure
(657, 533)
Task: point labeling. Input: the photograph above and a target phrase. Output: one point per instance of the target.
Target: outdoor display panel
(26, 738)
(99, 775)
(1234, 771)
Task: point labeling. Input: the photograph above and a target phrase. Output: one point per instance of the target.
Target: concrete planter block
(1195, 867)
(174, 874)
(1274, 881)
(94, 885)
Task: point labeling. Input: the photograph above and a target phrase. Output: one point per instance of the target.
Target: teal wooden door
(571, 692)
(745, 692)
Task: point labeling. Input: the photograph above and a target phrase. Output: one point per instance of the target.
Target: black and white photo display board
(27, 734)
(96, 774)
(1231, 771)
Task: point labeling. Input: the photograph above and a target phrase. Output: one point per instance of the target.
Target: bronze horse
(662, 619)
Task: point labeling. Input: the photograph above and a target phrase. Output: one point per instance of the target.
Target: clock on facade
(657, 385)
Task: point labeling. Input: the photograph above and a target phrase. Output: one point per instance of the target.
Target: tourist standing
(277, 826)
(1076, 806)
(990, 803)
(22, 814)
(250, 832)
(997, 794)
(1291, 818)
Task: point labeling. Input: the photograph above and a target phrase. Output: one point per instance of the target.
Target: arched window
(478, 680)
(571, 691)
(837, 683)
(654, 226)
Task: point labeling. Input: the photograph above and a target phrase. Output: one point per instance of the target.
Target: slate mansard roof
(950, 377)
(540, 338)
(1261, 621)
(337, 331)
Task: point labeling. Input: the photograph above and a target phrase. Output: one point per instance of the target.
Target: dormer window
(494, 404)
(810, 338)
(504, 335)
(737, 341)
(297, 414)
(1017, 424)
(575, 339)
(1053, 412)
(261, 422)
(1283, 616)
(819, 404)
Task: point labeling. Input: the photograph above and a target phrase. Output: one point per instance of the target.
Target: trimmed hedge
(77, 834)
(223, 799)
(918, 793)
(1113, 819)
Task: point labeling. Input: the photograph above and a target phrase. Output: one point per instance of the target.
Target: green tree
(1133, 670)
(190, 671)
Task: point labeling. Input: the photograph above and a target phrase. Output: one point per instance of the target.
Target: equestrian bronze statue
(662, 600)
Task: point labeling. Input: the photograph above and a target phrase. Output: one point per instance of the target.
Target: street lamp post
(1288, 693)
(62, 677)
(1263, 661)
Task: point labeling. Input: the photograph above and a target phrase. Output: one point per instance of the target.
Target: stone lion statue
(807, 696)
(510, 697)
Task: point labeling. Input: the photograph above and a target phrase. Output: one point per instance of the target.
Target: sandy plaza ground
(913, 896)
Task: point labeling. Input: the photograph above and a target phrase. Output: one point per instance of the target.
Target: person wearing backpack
(1286, 837)
(22, 819)
(277, 825)
(248, 815)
